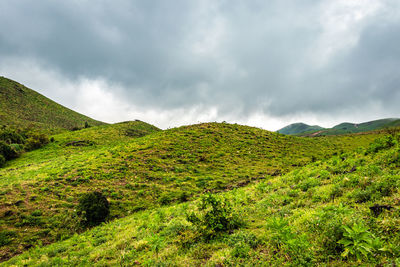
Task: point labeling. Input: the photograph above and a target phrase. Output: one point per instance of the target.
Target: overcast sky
(174, 62)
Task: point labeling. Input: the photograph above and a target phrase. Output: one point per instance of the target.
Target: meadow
(138, 167)
(337, 209)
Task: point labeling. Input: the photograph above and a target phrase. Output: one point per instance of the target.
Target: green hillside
(301, 129)
(298, 128)
(40, 190)
(343, 211)
(366, 126)
(21, 107)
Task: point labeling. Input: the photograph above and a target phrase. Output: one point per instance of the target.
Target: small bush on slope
(215, 215)
(358, 241)
(94, 208)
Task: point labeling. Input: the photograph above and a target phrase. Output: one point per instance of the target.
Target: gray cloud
(280, 58)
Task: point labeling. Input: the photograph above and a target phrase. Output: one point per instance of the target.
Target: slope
(323, 214)
(22, 107)
(366, 126)
(40, 190)
(298, 128)
(301, 129)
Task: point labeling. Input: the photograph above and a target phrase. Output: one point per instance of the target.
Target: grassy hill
(212, 194)
(301, 129)
(343, 211)
(297, 128)
(21, 107)
(40, 190)
(366, 126)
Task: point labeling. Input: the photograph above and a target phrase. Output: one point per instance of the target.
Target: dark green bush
(11, 136)
(6, 237)
(7, 151)
(2, 160)
(35, 141)
(94, 208)
(215, 215)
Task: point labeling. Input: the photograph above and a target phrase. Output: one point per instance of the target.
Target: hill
(343, 211)
(21, 107)
(297, 128)
(40, 190)
(301, 129)
(366, 126)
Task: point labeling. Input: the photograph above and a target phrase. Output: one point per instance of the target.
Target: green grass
(21, 107)
(138, 173)
(306, 217)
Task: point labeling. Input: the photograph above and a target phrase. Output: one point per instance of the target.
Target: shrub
(2, 160)
(382, 143)
(6, 237)
(357, 241)
(35, 141)
(215, 215)
(94, 207)
(291, 244)
(7, 151)
(11, 136)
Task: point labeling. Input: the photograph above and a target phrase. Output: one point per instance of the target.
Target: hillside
(301, 129)
(366, 126)
(40, 190)
(297, 128)
(339, 212)
(21, 107)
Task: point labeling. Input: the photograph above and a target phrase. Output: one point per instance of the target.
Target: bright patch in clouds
(264, 64)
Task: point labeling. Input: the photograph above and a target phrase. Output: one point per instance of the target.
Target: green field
(296, 219)
(212, 194)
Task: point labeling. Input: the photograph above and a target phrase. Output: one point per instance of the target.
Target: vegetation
(311, 215)
(137, 173)
(301, 129)
(215, 216)
(24, 108)
(14, 142)
(213, 194)
(94, 208)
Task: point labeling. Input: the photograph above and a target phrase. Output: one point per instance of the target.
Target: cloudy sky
(175, 62)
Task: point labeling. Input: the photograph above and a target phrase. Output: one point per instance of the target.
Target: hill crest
(22, 107)
(302, 129)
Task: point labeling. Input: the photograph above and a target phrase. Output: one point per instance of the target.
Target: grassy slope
(141, 173)
(315, 201)
(298, 128)
(23, 108)
(348, 128)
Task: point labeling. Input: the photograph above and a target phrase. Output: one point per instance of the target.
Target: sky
(171, 63)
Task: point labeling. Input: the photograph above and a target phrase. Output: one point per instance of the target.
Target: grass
(22, 107)
(308, 216)
(138, 173)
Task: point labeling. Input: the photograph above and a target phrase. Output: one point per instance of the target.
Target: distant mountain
(298, 128)
(342, 128)
(23, 107)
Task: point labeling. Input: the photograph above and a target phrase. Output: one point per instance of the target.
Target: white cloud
(342, 22)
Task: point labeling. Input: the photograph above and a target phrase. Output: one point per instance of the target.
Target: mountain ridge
(302, 129)
(22, 107)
